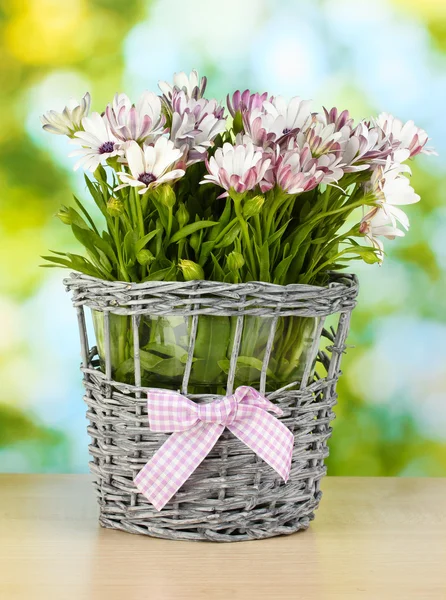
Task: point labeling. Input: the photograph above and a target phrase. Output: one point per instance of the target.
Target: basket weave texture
(233, 495)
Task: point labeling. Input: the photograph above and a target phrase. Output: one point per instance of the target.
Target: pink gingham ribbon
(196, 429)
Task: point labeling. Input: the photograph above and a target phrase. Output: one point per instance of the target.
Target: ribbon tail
(268, 438)
(175, 462)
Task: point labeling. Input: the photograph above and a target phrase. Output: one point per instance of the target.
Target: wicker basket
(233, 495)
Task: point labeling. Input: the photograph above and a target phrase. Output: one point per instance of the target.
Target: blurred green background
(367, 56)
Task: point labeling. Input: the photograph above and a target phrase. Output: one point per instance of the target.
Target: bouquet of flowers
(271, 192)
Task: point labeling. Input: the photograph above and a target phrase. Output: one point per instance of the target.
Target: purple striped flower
(277, 120)
(296, 170)
(195, 125)
(191, 85)
(404, 136)
(336, 118)
(136, 122)
(239, 168)
(246, 102)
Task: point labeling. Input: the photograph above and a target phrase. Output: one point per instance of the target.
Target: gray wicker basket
(233, 495)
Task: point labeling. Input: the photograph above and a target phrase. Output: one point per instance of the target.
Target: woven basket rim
(342, 281)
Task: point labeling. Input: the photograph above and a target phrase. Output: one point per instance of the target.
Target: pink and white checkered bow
(196, 429)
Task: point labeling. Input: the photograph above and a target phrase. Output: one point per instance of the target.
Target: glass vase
(164, 344)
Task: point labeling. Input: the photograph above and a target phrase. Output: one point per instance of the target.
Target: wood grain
(373, 538)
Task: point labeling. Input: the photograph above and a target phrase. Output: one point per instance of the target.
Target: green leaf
(223, 220)
(278, 234)
(191, 228)
(171, 350)
(263, 256)
(96, 260)
(217, 273)
(368, 254)
(93, 242)
(161, 274)
(206, 249)
(299, 236)
(148, 361)
(125, 369)
(162, 210)
(211, 344)
(299, 259)
(281, 269)
(140, 244)
(167, 367)
(229, 237)
(96, 193)
(105, 263)
(245, 361)
(76, 263)
(86, 214)
(130, 241)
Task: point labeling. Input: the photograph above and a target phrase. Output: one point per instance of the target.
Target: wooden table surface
(372, 538)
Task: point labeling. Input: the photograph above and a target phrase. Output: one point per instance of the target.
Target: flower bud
(237, 124)
(166, 195)
(64, 215)
(144, 257)
(114, 163)
(182, 215)
(191, 271)
(115, 207)
(253, 206)
(235, 261)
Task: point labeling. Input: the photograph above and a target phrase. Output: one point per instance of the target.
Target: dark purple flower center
(106, 147)
(286, 130)
(146, 178)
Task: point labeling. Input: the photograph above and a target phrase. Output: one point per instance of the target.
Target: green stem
(133, 214)
(344, 208)
(139, 214)
(225, 230)
(298, 326)
(275, 204)
(115, 232)
(169, 224)
(322, 266)
(125, 219)
(258, 229)
(245, 233)
(285, 208)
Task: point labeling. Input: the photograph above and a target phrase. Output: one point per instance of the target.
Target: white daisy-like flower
(136, 122)
(332, 167)
(377, 224)
(339, 119)
(262, 128)
(239, 168)
(322, 138)
(392, 189)
(151, 165)
(407, 136)
(195, 125)
(296, 113)
(97, 142)
(295, 171)
(276, 120)
(191, 85)
(69, 120)
(366, 145)
(245, 101)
